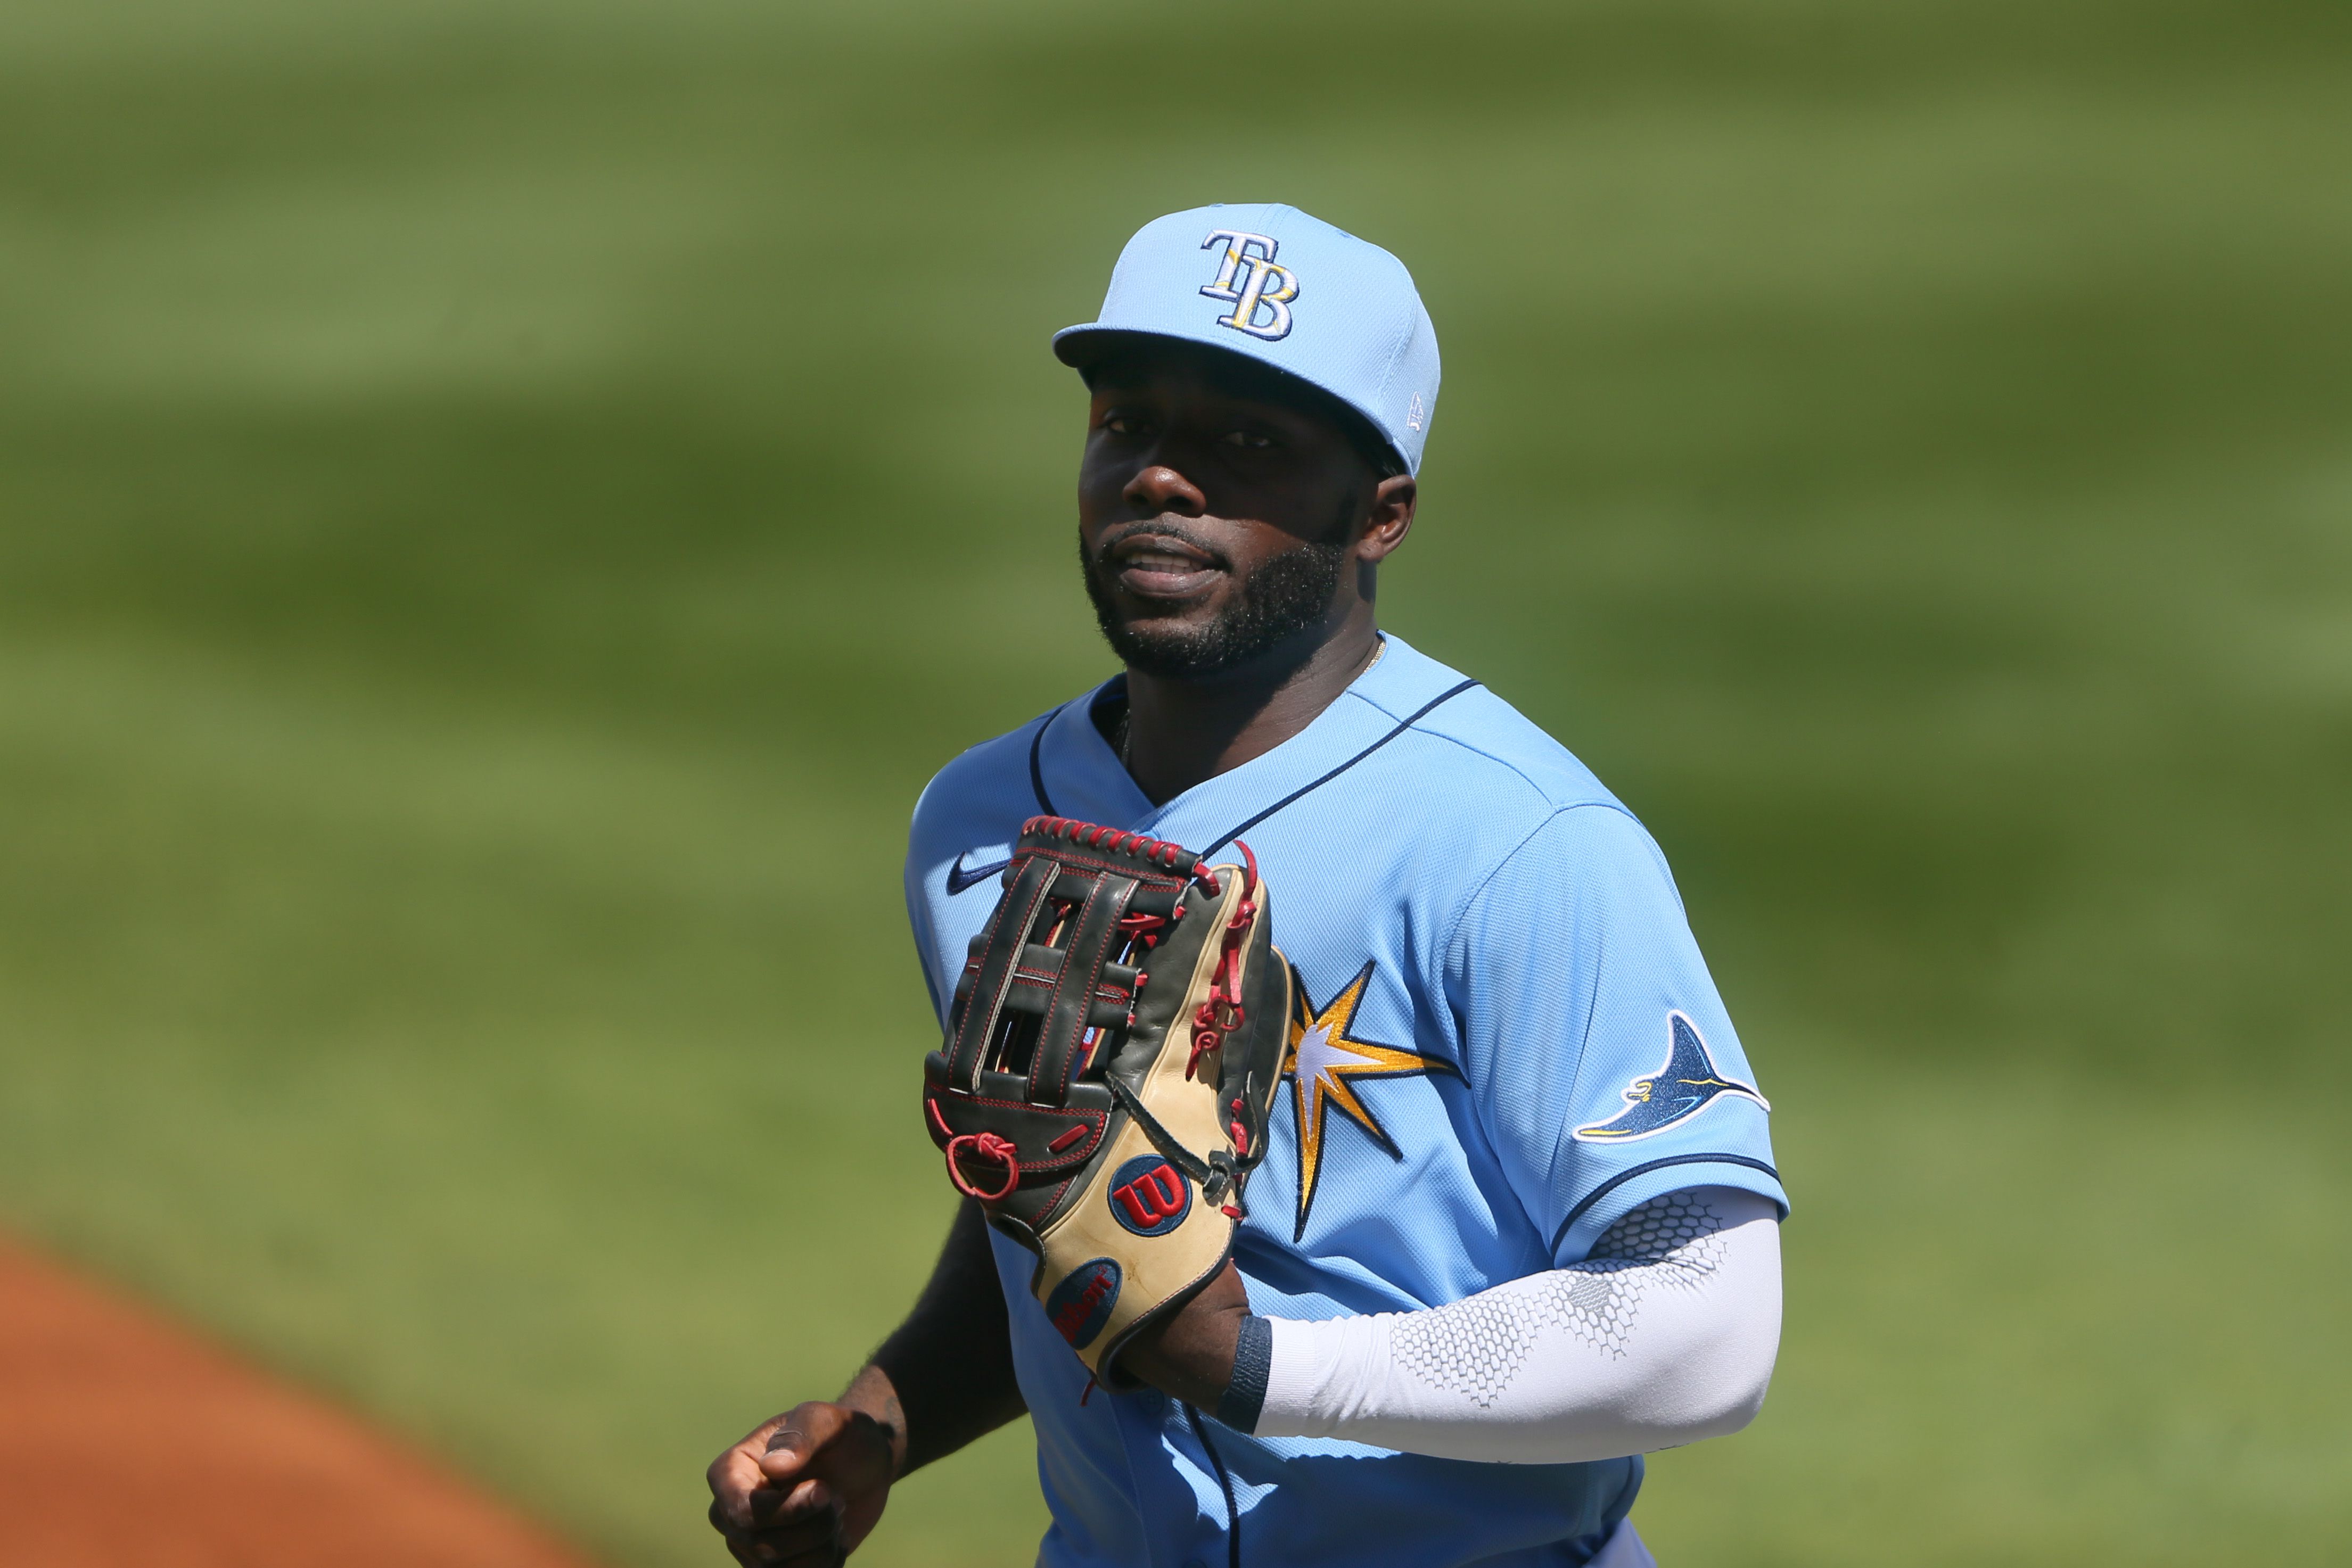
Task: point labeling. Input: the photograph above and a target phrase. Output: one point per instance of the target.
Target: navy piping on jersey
(1621, 1177)
(959, 878)
(1037, 772)
(1045, 802)
(1224, 1484)
(1415, 717)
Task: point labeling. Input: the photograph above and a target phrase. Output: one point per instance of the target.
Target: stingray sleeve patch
(1685, 1084)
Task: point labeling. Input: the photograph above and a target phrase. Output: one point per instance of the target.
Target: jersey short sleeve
(1609, 1072)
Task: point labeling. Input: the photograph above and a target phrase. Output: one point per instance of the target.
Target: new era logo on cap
(1287, 288)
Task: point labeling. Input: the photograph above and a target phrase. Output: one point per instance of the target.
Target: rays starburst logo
(1325, 1063)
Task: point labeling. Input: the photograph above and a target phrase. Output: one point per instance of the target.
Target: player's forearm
(871, 1393)
(945, 1377)
(1651, 1347)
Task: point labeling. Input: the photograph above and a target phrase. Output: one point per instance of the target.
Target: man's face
(1218, 511)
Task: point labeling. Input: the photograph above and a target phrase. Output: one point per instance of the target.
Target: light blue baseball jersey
(1508, 1041)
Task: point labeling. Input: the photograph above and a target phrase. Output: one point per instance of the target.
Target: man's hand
(803, 1489)
(1190, 1354)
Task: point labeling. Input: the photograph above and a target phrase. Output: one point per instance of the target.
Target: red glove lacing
(1222, 1012)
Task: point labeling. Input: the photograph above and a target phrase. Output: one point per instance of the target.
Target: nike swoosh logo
(959, 879)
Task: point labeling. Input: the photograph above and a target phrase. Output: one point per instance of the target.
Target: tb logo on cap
(1253, 285)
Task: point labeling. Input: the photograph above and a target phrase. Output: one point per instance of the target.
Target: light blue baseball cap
(1267, 281)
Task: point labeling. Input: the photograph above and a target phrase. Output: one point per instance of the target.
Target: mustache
(1164, 527)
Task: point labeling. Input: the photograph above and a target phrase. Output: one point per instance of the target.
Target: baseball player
(1509, 1218)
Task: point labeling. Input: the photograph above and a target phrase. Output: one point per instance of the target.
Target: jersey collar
(1083, 777)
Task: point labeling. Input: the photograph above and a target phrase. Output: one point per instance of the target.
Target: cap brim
(1084, 347)
(1088, 344)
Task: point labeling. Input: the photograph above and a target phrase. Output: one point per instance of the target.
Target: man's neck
(1181, 732)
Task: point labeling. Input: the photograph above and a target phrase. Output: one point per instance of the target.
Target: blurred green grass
(502, 505)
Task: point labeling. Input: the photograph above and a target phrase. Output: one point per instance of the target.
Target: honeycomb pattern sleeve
(1665, 1334)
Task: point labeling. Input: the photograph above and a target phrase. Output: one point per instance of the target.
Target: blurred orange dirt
(127, 1441)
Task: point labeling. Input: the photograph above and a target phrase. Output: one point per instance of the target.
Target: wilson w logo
(1149, 1196)
(1259, 291)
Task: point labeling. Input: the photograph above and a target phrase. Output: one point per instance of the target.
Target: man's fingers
(777, 1549)
(734, 1478)
(751, 1484)
(757, 1552)
(784, 1505)
(811, 1525)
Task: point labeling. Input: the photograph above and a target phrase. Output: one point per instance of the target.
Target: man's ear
(1388, 518)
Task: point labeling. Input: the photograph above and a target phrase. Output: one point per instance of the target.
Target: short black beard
(1282, 598)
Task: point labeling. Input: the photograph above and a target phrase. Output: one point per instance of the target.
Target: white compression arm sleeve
(1664, 1335)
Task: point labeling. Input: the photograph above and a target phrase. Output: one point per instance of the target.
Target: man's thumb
(793, 1444)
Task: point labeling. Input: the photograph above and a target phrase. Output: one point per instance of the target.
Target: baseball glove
(1110, 1061)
